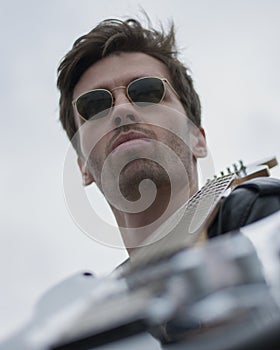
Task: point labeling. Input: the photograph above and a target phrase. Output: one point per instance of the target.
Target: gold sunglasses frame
(164, 80)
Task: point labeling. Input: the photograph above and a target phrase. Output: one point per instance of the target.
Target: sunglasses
(97, 103)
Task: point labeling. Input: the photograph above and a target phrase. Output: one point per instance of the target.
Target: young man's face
(133, 143)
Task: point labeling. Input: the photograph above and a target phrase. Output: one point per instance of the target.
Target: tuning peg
(222, 173)
(229, 170)
(242, 167)
(235, 168)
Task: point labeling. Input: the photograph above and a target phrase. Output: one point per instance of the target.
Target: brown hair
(113, 35)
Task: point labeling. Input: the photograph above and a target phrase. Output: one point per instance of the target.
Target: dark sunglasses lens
(94, 104)
(146, 91)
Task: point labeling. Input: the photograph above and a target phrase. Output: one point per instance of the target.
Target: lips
(126, 137)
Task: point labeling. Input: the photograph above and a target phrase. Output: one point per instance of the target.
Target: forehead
(119, 69)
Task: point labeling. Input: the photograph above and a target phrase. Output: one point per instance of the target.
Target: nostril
(87, 274)
(118, 120)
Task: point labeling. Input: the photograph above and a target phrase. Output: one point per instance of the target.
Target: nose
(123, 110)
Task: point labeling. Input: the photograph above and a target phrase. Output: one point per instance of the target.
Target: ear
(199, 147)
(87, 177)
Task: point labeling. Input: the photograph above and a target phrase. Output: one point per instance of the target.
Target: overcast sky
(233, 50)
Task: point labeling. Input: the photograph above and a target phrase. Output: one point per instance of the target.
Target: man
(160, 144)
(119, 140)
(129, 107)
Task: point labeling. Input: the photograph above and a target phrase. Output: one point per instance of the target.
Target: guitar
(162, 279)
(188, 226)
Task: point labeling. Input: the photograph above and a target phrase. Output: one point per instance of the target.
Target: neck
(136, 227)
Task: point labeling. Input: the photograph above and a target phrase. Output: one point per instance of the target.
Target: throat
(137, 226)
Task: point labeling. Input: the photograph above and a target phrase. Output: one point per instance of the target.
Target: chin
(137, 171)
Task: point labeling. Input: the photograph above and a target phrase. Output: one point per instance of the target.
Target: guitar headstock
(250, 171)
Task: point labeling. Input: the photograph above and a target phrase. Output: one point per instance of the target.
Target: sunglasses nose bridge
(120, 96)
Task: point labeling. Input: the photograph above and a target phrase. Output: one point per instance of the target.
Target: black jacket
(249, 202)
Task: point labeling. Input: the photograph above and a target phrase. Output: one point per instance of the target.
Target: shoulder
(264, 185)
(248, 202)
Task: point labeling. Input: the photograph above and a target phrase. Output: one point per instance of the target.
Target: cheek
(174, 130)
(177, 138)
(169, 117)
(92, 141)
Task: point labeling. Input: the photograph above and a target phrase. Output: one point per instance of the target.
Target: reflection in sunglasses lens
(148, 90)
(95, 104)
(91, 104)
